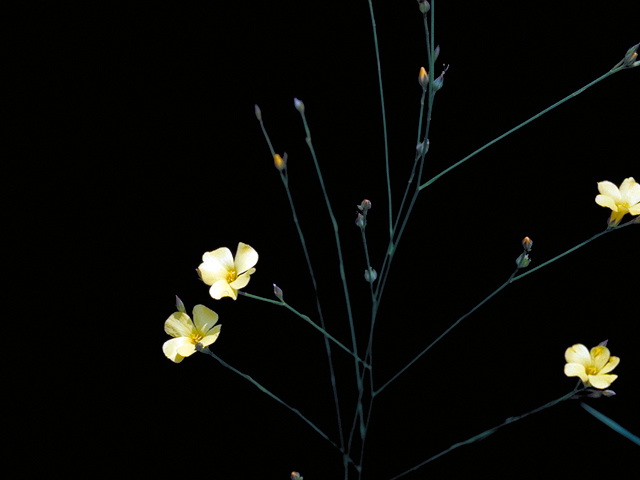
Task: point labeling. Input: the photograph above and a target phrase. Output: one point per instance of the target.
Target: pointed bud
(180, 305)
(258, 113)
(277, 292)
(421, 149)
(436, 53)
(364, 206)
(370, 275)
(523, 260)
(299, 105)
(527, 243)
(631, 56)
(279, 162)
(296, 476)
(360, 221)
(423, 78)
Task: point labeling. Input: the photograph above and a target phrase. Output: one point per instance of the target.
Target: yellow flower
(622, 201)
(226, 275)
(592, 367)
(188, 334)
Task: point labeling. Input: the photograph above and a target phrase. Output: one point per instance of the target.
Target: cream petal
(610, 190)
(204, 319)
(578, 353)
(599, 356)
(170, 349)
(246, 257)
(635, 210)
(222, 289)
(630, 191)
(607, 201)
(179, 325)
(242, 280)
(212, 272)
(613, 363)
(211, 337)
(186, 348)
(221, 256)
(576, 370)
(601, 381)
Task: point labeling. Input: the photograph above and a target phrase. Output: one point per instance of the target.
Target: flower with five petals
(592, 367)
(189, 333)
(225, 274)
(621, 201)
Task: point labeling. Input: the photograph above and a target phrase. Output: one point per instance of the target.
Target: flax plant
(229, 276)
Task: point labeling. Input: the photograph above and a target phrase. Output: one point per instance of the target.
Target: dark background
(167, 119)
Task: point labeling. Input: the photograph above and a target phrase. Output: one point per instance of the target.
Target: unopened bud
(421, 149)
(527, 243)
(364, 206)
(277, 292)
(180, 305)
(436, 53)
(423, 78)
(279, 162)
(258, 113)
(424, 6)
(631, 56)
(296, 476)
(438, 82)
(370, 275)
(360, 221)
(523, 260)
(299, 105)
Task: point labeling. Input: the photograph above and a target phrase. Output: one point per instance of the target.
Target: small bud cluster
(524, 260)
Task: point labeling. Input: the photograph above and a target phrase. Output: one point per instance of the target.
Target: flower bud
(258, 113)
(423, 78)
(296, 476)
(527, 243)
(279, 162)
(299, 105)
(277, 292)
(180, 305)
(370, 275)
(365, 205)
(523, 260)
(631, 56)
(360, 221)
(436, 53)
(424, 6)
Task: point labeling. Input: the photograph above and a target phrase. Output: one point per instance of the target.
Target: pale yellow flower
(226, 275)
(592, 367)
(188, 334)
(620, 201)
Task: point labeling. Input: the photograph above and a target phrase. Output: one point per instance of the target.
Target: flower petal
(607, 201)
(216, 265)
(630, 191)
(613, 363)
(187, 347)
(242, 280)
(635, 210)
(599, 356)
(246, 257)
(211, 337)
(204, 319)
(610, 190)
(170, 349)
(222, 289)
(601, 381)
(179, 325)
(576, 370)
(578, 354)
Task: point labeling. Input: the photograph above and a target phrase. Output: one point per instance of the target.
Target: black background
(167, 116)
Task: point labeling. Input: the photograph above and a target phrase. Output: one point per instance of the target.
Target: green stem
(486, 433)
(574, 94)
(308, 320)
(264, 390)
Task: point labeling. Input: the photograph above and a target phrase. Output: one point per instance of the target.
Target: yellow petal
(222, 289)
(610, 190)
(599, 356)
(576, 370)
(601, 381)
(635, 210)
(630, 191)
(170, 349)
(607, 201)
(578, 353)
(211, 337)
(246, 257)
(179, 325)
(242, 280)
(613, 363)
(204, 319)
(186, 348)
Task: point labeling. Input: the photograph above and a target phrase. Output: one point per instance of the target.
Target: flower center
(591, 371)
(623, 207)
(195, 338)
(231, 276)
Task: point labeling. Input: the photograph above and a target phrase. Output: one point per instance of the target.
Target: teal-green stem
(264, 390)
(340, 260)
(574, 94)
(611, 424)
(384, 118)
(308, 320)
(486, 433)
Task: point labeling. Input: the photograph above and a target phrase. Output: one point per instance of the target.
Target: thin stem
(308, 320)
(264, 390)
(384, 119)
(574, 94)
(486, 433)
